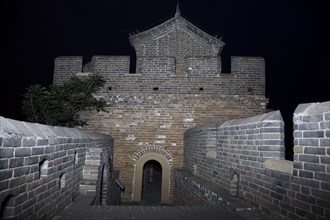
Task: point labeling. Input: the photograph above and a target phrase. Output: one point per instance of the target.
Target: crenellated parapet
(65, 67)
(174, 57)
(44, 168)
(245, 157)
(198, 74)
(150, 67)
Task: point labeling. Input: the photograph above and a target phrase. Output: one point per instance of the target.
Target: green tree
(60, 104)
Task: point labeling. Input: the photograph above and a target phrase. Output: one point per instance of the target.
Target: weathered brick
(315, 150)
(300, 204)
(28, 141)
(6, 174)
(16, 162)
(321, 194)
(42, 142)
(306, 174)
(309, 182)
(317, 210)
(306, 198)
(297, 165)
(325, 186)
(4, 164)
(306, 190)
(327, 133)
(31, 160)
(308, 126)
(50, 149)
(325, 159)
(309, 158)
(314, 167)
(15, 182)
(325, 203)
(3, 184)
(308, 142)
(12, 140)
(325, 142)
(312, 118)
(21, 171)
(313, 134)
(38, 150)
(23, 151)
(6, 152)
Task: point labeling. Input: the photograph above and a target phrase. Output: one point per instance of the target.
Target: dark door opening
(152, 183)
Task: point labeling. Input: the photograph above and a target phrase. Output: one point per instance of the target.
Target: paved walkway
(80, 209)
(151, 208)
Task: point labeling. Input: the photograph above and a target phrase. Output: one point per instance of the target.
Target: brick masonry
(43, 168)
(248, 159)
(208, 126)
(178, 85)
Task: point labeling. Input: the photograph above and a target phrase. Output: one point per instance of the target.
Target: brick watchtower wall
(156, 106)
(178, 85)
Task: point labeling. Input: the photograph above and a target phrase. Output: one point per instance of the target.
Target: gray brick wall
(65, 67)
(312, 158)
(42, 167)
(247, 78)
(252, 150)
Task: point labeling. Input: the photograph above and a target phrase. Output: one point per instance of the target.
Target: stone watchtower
(178, 85)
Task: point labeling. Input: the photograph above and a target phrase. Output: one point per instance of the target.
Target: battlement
(65, 67)
(174, 57)
(198, 73)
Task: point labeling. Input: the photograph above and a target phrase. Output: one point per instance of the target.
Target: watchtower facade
(178, 84)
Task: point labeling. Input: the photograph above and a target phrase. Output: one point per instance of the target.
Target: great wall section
(202, 133)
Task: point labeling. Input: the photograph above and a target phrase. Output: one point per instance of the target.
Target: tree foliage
(60, 104)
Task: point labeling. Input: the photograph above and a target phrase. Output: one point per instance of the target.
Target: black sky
(292, 35)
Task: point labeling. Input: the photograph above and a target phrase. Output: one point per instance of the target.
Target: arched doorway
(152, 183)
(152, 156)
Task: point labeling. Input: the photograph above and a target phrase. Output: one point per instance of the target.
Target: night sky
(292, 36)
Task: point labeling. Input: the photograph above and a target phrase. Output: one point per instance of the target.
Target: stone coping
(284, 166)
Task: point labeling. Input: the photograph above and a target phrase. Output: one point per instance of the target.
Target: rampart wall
(163, 74)
(43, 168)
(245, 158)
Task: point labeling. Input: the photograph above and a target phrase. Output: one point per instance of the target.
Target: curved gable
(175, 35)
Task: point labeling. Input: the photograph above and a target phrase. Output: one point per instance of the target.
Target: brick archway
(164, 158)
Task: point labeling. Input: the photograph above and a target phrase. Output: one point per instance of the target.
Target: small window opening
(155, 88)
(75, 158)
(234, 184)
(43, 168)
(61, 183)
(225, 64)
(7, 208)
(109, 88)
(201, 89)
